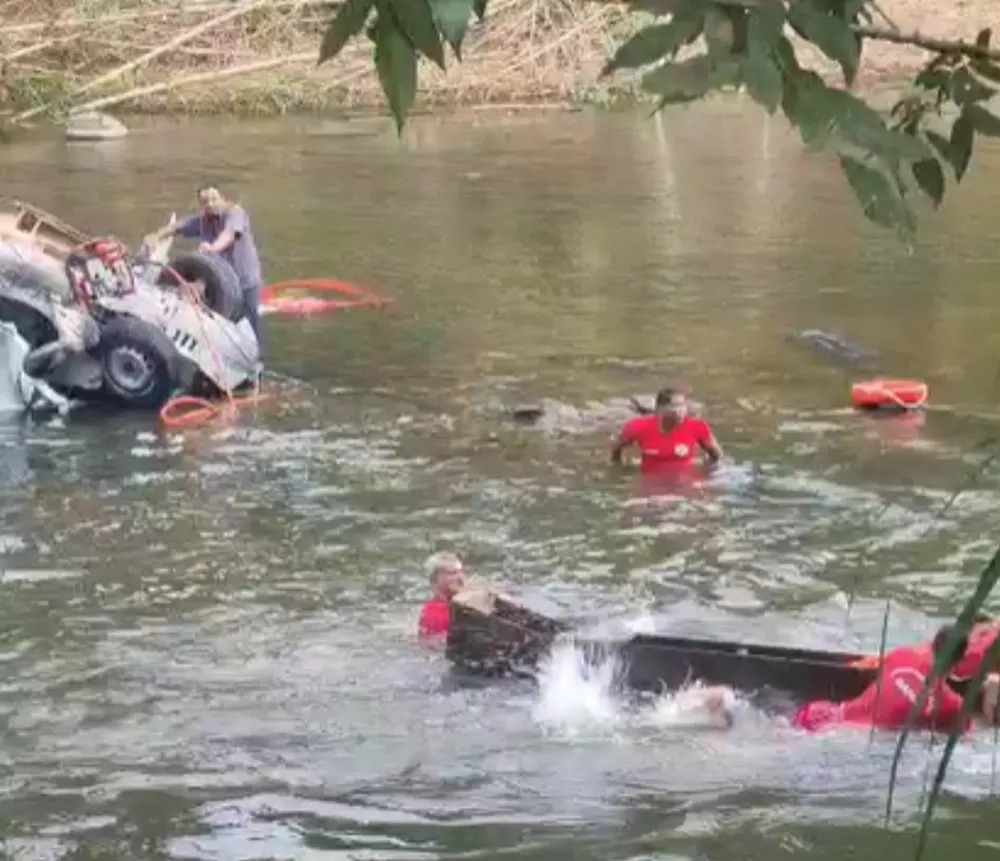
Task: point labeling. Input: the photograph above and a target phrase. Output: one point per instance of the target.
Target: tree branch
(929, 43)
(915, 39)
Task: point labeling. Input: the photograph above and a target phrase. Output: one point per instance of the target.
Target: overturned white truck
(82, 319)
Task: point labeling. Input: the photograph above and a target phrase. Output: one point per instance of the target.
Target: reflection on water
(207, 639)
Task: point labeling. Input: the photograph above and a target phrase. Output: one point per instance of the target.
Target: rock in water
(94, 126)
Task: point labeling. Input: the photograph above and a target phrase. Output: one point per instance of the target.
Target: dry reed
(264, 59)
(223, 56)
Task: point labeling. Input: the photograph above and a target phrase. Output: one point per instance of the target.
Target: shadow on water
(207, 638)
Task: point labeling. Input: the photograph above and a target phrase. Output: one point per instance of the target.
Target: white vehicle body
(137, 340)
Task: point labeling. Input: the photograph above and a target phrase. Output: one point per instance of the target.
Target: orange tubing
(359, 297)
(188, 411)
(908, 394)
(872, 662)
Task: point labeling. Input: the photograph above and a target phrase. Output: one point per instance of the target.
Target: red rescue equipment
(271, 297)
(907, 394)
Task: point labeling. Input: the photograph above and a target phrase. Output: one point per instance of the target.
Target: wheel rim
(131, 370)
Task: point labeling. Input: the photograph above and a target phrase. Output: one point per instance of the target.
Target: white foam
(575, 696)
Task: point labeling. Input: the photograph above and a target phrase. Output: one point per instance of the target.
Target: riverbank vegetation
(261, 58)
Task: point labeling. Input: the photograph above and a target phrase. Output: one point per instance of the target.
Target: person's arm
(622, 441)
(188, 227)
(709, 444)
(989, 706)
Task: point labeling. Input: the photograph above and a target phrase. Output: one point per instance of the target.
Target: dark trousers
(251, 301)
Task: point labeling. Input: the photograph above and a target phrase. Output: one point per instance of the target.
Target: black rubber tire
(155, 350)
(223, 291)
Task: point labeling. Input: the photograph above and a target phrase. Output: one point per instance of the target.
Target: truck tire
(140, 363)
(223, 291)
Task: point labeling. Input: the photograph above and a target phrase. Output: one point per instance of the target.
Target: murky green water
(207, 639)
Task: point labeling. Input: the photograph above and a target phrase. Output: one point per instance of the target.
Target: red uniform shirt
(678, 446)
(981, 637)
(434, 618)
(887, 705)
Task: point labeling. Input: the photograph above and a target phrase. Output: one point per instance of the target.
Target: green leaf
(396, 62)
(831, 34)
(966, 90)
(417, 23)
(941, 144)
(452, 19)
(933, 79)
(984, 122)
(667, 7)
(877, 195)
(986, 69)
(806, 105)
(762, 78)
(719, 32)
(861, 125)
(930, 178)
(348, 21)
(690, 78)
(962, 135)
(654, 43)
(765, 24)
(822, 113)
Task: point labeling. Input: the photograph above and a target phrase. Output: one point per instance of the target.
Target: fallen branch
(177, 41)
(163, 11)
(201, 78)
(34, 49)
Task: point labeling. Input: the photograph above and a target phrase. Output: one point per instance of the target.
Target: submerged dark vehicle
(492, 636)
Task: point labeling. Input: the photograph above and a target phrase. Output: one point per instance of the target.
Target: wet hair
(941, 638)
(436, 561)
(980, 618)
(664, 396)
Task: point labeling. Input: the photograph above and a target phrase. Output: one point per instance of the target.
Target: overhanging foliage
(888, 160)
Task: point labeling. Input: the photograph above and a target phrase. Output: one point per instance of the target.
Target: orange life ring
(908, 394)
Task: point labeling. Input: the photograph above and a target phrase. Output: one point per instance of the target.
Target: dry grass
(528, 51)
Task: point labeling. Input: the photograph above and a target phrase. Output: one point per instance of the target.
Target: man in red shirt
(447, 577)
(669, 436)
(887, 702)
(981, 637)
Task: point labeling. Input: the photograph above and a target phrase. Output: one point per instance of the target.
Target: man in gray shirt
(224, 228)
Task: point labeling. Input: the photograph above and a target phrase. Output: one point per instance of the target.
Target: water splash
(581, 695)
(577, 695)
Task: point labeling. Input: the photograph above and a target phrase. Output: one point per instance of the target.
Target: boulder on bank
(94, 126)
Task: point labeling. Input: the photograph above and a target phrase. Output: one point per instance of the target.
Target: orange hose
(360, 297)
(872, 662)
(188, 411)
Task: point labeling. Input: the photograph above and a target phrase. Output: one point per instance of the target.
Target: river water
(208, 644)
